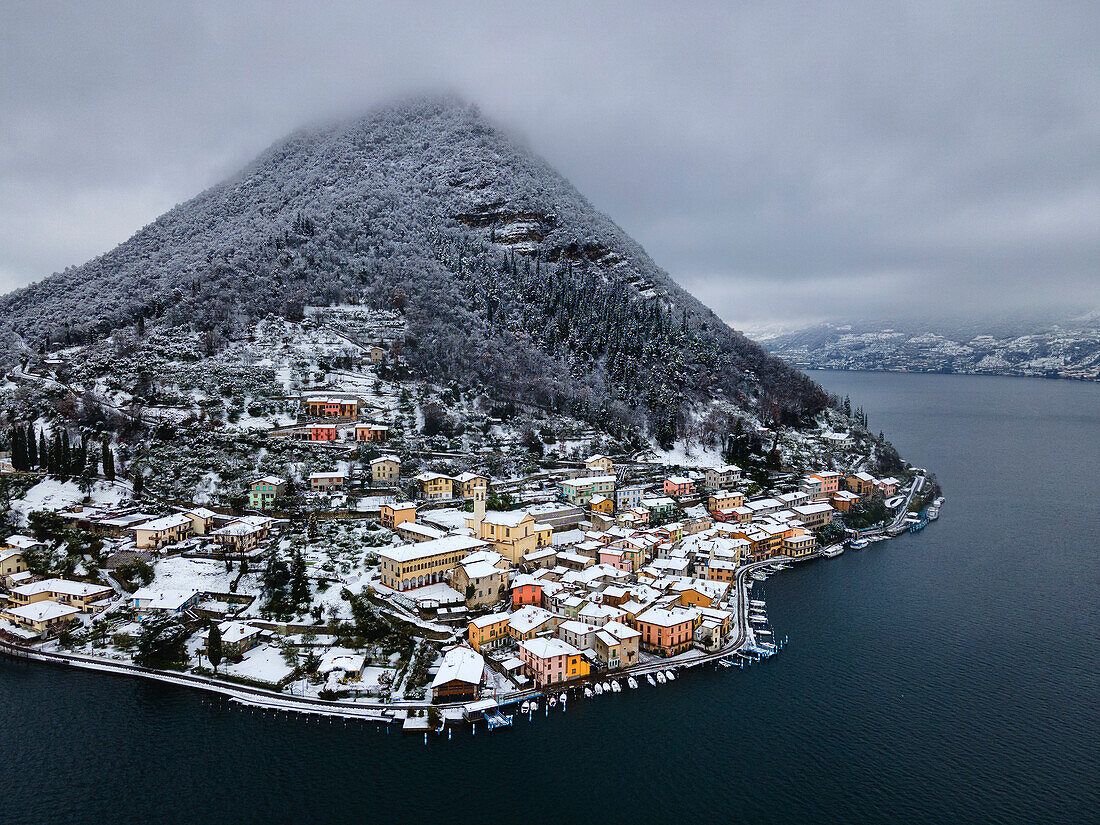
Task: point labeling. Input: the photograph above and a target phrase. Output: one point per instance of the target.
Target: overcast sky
(785, 162)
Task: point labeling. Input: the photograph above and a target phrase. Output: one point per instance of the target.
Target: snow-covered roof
(435, 547)
(545, 648)
(334, 474)
(274, 480)
(490, 619)
(20, 542)
(529, 617)
(163, 599)
(164, 523)
(667, 617)
(460, 664)
(400, 505)
(64, 586)
(387, 457)
(234, 632)
(200, 512)
(42, 611)
(342, 660)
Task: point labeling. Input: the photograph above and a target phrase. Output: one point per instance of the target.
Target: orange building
(322, 432)
(667, 631)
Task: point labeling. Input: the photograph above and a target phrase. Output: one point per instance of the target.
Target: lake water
(948, 676)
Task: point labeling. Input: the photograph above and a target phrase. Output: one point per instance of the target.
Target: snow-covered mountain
(1070, 349)
(507, 278)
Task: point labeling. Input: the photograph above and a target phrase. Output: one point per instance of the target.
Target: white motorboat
(858, 544)
(588, 693)
(562, 699)
(649, 678)
(670, 675)
(598, 688)
(632, 683)
(552, 701)
(525, 707)
(615, 687)
(660, 677)
(606, 687)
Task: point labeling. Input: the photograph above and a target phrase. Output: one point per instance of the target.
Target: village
(622, 570)
(416, 578)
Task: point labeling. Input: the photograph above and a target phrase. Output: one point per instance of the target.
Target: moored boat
(649, 678)
(632, 683)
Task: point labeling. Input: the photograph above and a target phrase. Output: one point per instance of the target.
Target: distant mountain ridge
(508, 277)
(1069, 349)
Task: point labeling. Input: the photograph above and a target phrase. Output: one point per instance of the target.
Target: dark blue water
(949, 676)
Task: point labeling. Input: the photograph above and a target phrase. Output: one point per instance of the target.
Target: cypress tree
(299, 584)
(139, 480)
(65, 460)
(18, 449)
(91, 462)
(214, 645)
(55, 454)
(108, 462)
(32, 447)
(43, 450)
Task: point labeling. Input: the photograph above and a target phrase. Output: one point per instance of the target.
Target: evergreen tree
(32, 447)
(108, 462)
(299, 584)
(43, 451)
(18, 449)
(66, 459)
(91, 463)
(214, 645)
(138, 480)
(54, 464)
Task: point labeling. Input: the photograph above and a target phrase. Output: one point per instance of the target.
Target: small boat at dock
(632, 683)
(615, 687)
(660, 677)
(649, 678)
(598, 688)
(588, 693)
(670, 675)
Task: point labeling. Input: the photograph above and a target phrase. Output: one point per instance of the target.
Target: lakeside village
(432, 596)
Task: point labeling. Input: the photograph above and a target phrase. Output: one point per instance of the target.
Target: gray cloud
(786, 163)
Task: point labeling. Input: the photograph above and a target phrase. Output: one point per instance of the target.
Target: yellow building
(724, 500)
(11, 562)
(152, 535)
(601, 504)
(489, 631)
(41, 617)
(465, 484)
(435, 486)
(599, 465)
(417, 565)
(81, 595)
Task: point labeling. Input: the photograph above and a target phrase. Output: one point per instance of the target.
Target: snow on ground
(264, 663)
(53, 495)
(178, 573)
(690, 456)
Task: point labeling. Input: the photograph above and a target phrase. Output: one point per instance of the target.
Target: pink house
(551, 660)
(617, 558)
(679, 486)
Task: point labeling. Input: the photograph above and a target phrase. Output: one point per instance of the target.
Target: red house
(526, 590)
(322, 432)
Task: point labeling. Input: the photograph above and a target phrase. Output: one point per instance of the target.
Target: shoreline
(385, 712)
